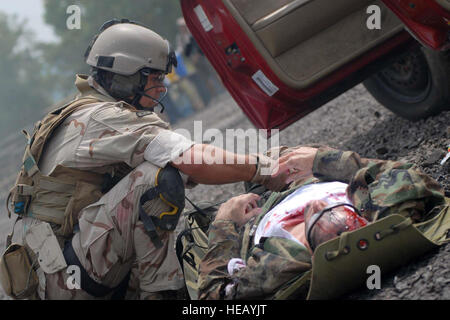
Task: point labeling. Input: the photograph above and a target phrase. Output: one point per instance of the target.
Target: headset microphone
(158, 101)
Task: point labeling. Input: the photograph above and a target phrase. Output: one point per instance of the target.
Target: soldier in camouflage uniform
(121, 136)
(375, 187)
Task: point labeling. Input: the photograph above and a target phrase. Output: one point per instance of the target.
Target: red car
(281, 59)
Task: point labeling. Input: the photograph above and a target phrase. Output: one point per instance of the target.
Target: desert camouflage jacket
(376, 187)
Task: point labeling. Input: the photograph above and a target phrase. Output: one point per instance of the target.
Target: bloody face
(324, 223)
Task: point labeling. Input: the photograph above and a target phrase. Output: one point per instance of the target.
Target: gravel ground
(353, 121)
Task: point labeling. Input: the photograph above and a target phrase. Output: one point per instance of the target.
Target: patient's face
(329, 226)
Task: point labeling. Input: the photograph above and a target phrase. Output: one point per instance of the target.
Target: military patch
(141, 114)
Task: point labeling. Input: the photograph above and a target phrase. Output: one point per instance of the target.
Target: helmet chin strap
(143, 93)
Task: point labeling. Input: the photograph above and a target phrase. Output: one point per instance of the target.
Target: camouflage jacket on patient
(376, 187)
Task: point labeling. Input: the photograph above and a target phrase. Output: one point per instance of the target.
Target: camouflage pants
(112, 240)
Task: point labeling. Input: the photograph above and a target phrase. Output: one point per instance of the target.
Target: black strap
(261, 243)
(179, 246)
(202, 211)
(92, 287)
(188, 232)
(121, 290)
(181, 253)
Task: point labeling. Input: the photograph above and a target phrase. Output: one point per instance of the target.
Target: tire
(415, 86)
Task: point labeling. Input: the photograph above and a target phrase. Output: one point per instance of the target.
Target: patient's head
(324, 222)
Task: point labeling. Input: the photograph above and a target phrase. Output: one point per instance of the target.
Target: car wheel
(415, 86)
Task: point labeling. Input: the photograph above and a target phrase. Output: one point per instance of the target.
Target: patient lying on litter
(251, 254)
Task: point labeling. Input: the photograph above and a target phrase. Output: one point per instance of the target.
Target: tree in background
(24, 89)
(67, 56)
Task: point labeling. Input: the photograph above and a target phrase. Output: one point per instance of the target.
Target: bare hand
(239, 209)
(296, 164)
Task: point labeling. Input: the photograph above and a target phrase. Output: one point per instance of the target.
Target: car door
(282, 59)
(427, 20)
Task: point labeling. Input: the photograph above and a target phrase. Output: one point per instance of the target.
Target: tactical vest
(57, 198)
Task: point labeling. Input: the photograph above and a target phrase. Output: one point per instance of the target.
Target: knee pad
(169, 188)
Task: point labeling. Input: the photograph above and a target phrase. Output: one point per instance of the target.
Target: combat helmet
(123, 54)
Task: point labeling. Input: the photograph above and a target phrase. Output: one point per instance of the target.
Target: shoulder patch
(141, 114)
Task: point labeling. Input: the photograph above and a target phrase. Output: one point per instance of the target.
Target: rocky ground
(353, 121)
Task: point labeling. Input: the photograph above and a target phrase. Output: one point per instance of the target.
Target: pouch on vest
(42, 241)
(22, 192)
(17, 275)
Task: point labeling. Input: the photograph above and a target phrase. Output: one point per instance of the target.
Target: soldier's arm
(223, 245)
(327, 164)
(207, 164)
(202, 163)
(323, 162)
(336, 165)
(386, 187)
